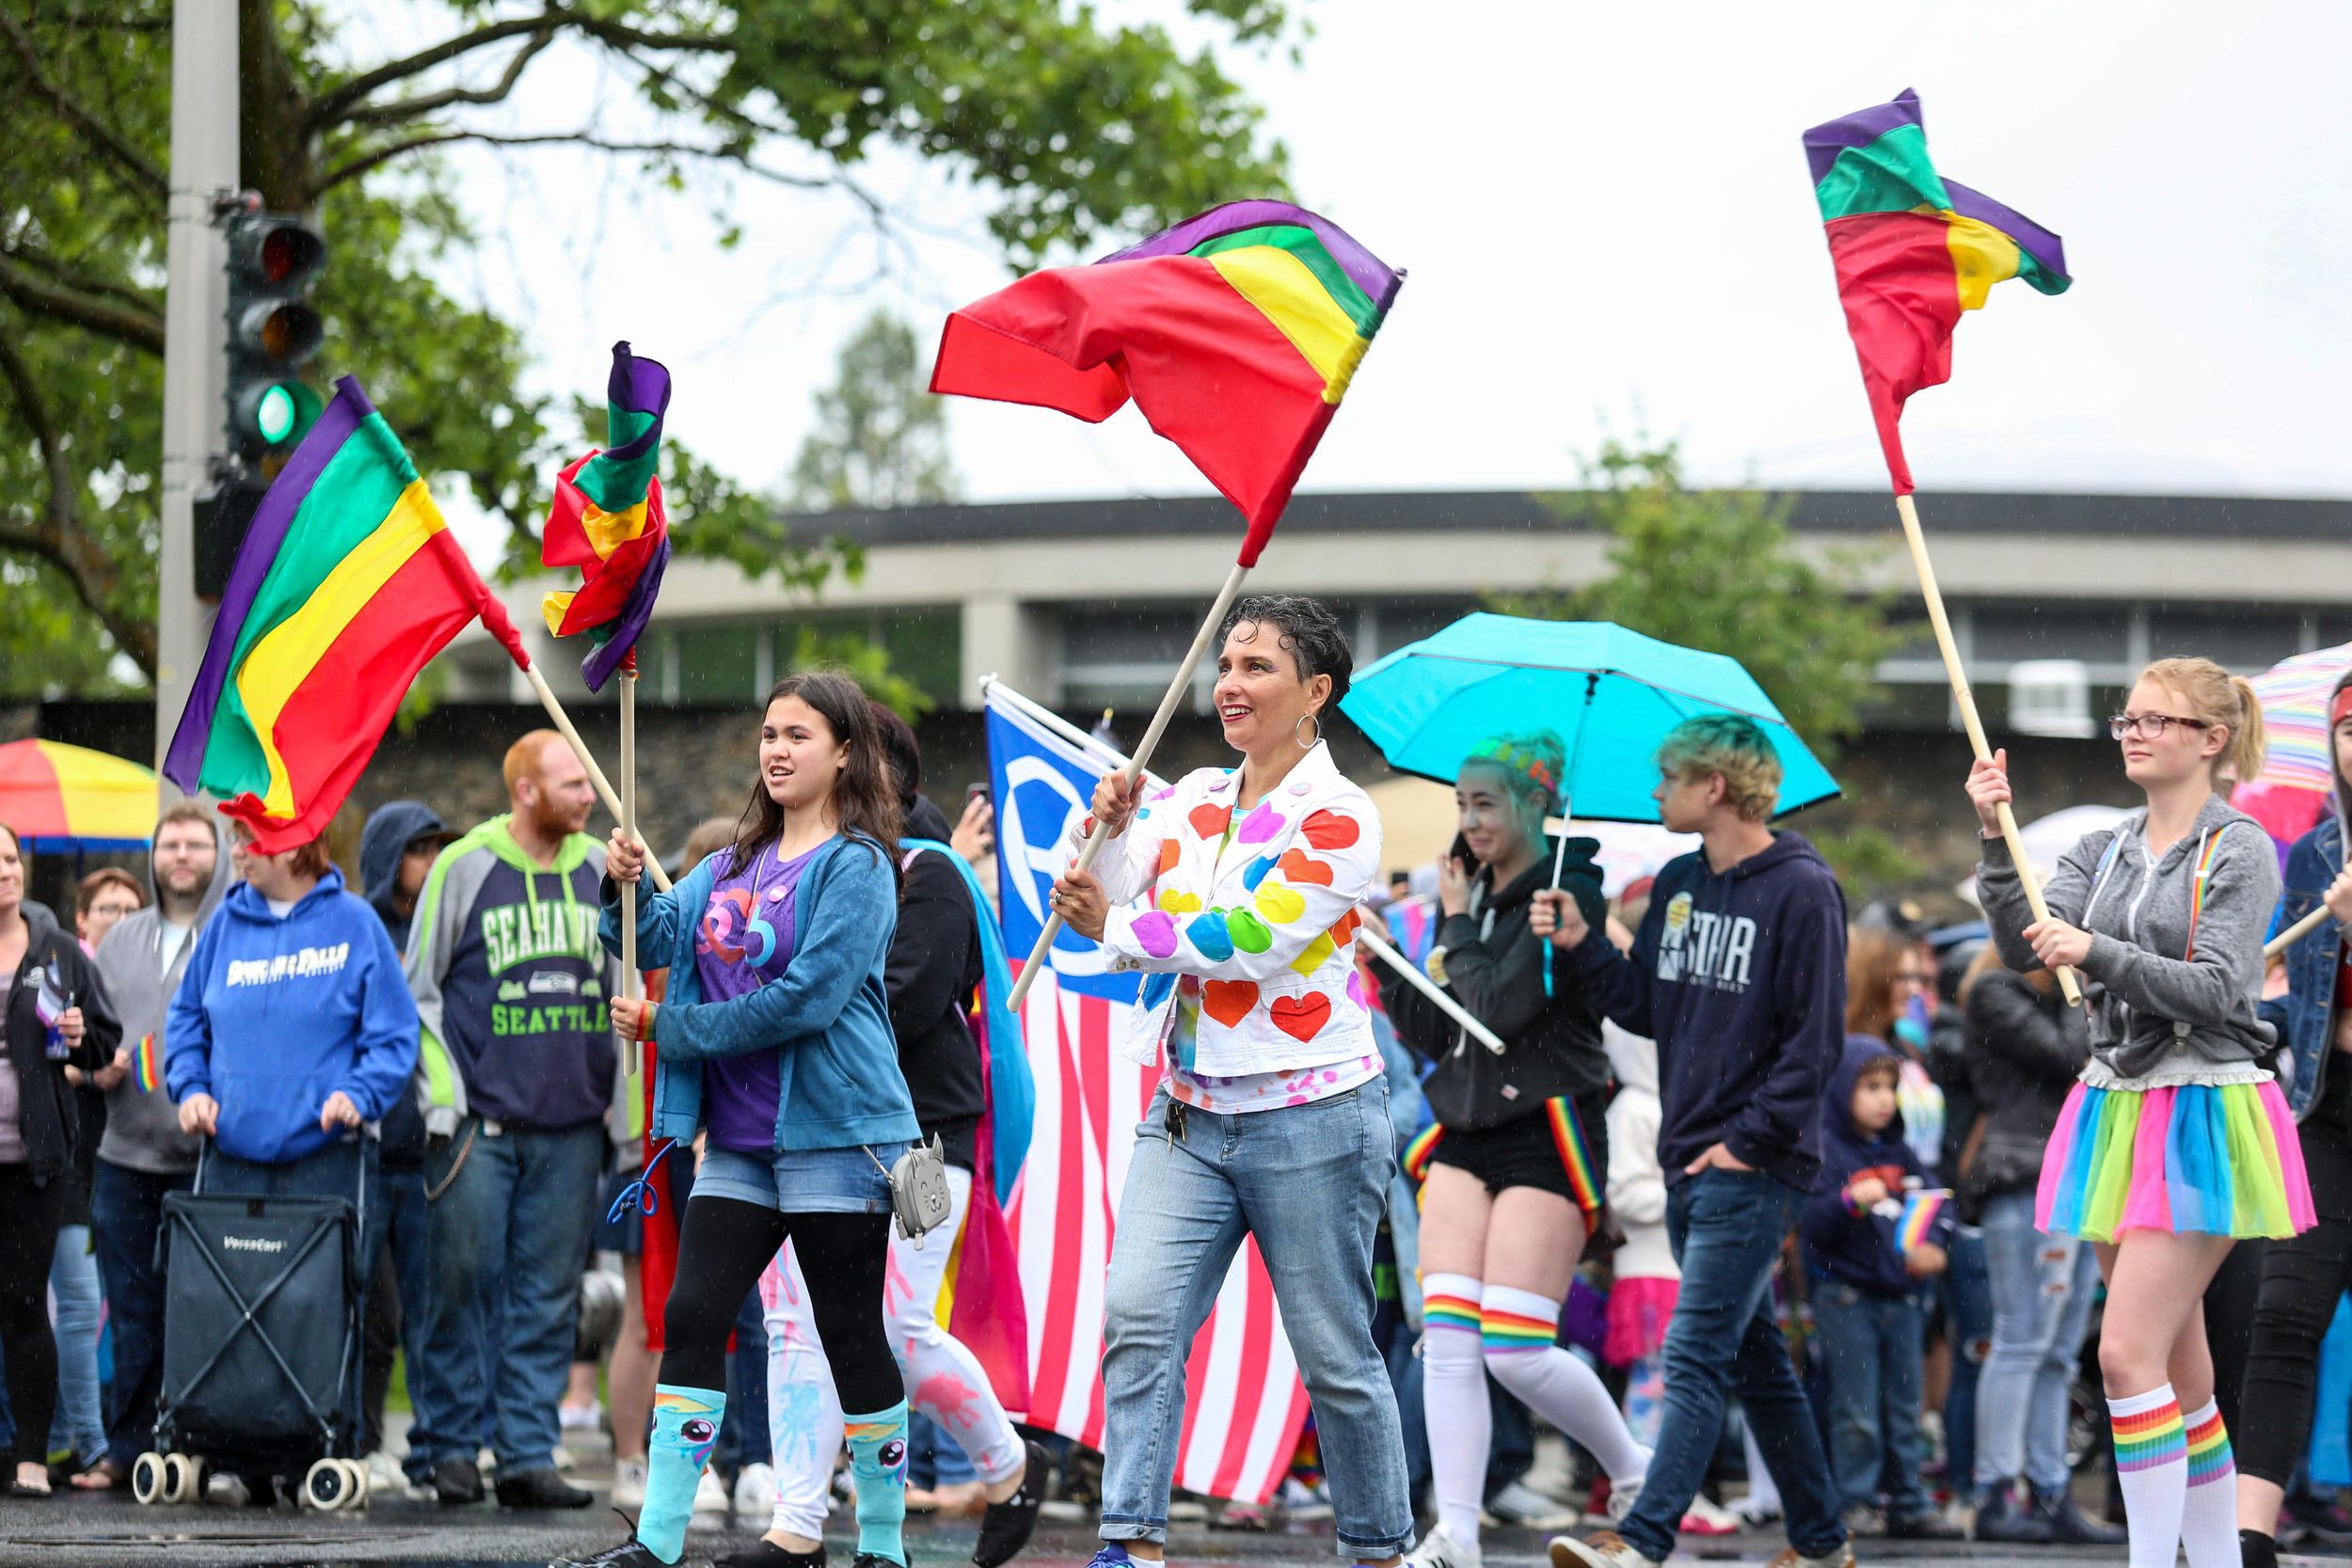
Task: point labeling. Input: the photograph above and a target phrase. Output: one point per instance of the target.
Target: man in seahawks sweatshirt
(516, 1074)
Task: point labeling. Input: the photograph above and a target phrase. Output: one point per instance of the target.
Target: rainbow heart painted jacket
(1266, 922)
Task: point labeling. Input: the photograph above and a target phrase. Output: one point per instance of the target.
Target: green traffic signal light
(272, 329)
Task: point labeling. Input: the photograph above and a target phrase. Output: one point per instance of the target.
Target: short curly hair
(1734, 746)
(1307, 627)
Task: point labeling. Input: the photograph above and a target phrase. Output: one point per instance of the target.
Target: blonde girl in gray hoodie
(2176, 1141)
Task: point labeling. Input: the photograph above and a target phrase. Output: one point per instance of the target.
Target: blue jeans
(405, 1216)
(2043, 1290)
(519, 1210)
(127, 1215)
(1968, 1294)
(335, 1171)
(1726, 1228)
(1309, 1182)
(78, 1429)
(1874, 1344)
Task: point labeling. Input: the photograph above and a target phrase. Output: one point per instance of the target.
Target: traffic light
(273, 330)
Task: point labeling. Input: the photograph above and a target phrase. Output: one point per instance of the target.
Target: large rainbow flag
(607, 520)
(1236, 332)
(1913, 251)
(347, 584)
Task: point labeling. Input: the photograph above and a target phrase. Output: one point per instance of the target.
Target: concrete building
(1088, 603)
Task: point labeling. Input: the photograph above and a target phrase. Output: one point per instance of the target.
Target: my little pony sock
(878, 1460)
(2152, 1467)
(2209, 1512)
(685, 1429)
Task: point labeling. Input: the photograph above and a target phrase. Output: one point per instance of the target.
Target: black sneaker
(764, 1553)
(875, 1560)
(2071, 1527)
(631, 1553)
(1999, 1518)
(1005, 1527)
(456, 1481)
(540, 1489)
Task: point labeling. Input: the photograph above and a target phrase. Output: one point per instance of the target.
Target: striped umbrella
(58, 797)
(2297, 768)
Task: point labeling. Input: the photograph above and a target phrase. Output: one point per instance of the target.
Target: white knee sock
(2151, 1466)
(2209, 1511)
(1454, 1397)
(1518, 1330)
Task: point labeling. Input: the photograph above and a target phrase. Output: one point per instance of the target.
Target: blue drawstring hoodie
(1842, 1242)
(1741, 979)
(273, 1016)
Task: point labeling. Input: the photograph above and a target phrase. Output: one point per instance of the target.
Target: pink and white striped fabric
(1245, 1403)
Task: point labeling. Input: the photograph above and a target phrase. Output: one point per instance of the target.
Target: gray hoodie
(143, 1125)
(2160, 1016)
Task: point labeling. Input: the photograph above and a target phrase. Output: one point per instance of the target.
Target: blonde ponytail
(2217, 696)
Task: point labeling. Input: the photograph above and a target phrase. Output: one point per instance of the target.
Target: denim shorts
(802, 1181)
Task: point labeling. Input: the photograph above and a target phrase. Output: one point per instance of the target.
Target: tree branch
(343, 104)
(132, 161)
(59, 537)
(417, 108)
(50, 267)
(381, 155)
(141, 329)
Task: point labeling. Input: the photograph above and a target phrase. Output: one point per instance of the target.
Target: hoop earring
(1305, 719)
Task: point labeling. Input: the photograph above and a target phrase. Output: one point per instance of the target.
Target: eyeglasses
(2149, 726)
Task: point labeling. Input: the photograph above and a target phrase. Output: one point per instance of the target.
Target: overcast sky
(1605, 214)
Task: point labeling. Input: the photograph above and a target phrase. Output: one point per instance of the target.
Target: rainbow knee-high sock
(685, 1430)
(2152, 1468)
(2209, 1512)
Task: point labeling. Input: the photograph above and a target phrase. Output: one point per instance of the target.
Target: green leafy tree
(1073, 126)
(881, 437)
(1719, 570)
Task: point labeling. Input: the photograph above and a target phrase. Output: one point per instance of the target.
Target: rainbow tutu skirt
(2223, 1159)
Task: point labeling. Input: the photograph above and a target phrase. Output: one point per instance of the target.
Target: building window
(2006, 633)
(2244, 639)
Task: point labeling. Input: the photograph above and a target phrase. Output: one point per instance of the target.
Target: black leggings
(29, 1244)
(843, 1257)
(2302, 1281)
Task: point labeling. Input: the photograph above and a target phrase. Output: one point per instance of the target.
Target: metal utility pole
(204, 99)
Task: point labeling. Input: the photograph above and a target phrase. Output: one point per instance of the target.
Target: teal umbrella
(1609, 694)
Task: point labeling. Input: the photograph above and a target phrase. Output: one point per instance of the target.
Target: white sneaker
(1601, 1549)
(1788, 1557)
(709, 1496)
(225, 1490)
(629, 1483)
(755, 1492)
(1704, 1517)
(1297, 1500)
(1438, 1549)
(386, 1479)
(1623, 1494)
(1520, 1505)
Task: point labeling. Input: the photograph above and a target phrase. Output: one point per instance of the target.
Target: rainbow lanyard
(2208, 850)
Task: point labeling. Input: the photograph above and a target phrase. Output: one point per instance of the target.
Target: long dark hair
(862, 797)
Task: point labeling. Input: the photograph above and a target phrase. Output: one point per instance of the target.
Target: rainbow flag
(1236, 332)
(347, 584)
(1916, 1224)
(147, 1065)
(1913, 251)
(607, 520)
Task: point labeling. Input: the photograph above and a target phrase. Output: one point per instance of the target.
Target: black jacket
(48, 1119)
(1494, 967)
(2028, 1048)
(933, 968)
(383, 842)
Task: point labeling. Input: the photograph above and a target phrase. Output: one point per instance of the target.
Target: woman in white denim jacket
(1271, 1119)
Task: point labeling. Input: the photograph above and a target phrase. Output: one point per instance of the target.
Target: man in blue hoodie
(1738, 974)
(1871, 1235)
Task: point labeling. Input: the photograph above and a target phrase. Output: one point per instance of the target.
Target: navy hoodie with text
(1858, 1249)
(1741, 979)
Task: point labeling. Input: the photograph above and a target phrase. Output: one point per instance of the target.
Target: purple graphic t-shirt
(744, 943)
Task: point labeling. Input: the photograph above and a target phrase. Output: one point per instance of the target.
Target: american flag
(1245, 1403)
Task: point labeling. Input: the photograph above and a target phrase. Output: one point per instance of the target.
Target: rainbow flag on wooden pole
(347, 584)
(1913, 251)
(1236, 332)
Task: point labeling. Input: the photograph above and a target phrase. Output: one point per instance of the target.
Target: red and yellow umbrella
(59, 796)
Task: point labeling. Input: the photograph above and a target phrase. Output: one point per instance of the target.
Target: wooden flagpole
(631, 1059)
(2294, 933)
(596, 775)
(1967, 701)
(1133, 770)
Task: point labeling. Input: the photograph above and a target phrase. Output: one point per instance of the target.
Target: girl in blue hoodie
(776, 1043)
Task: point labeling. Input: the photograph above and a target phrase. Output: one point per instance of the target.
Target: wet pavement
(397, 1533)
